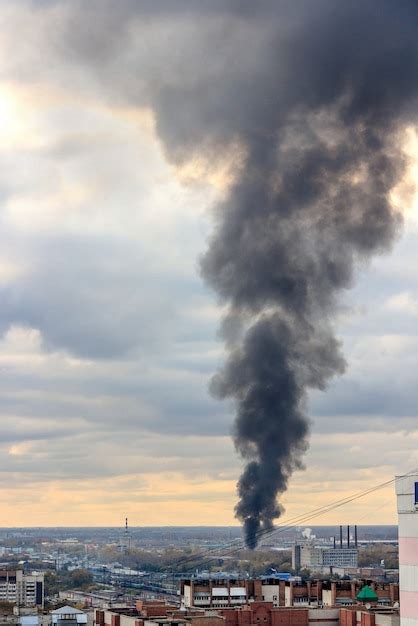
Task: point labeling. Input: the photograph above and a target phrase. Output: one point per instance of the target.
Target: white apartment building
(407, 500)
(22, 589)
(204, 595)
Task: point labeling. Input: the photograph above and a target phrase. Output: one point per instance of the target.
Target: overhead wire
(239, 544)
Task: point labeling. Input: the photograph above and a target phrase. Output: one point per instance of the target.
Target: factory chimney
(348, 536)
(334, 542)
(355, 536)
(341, 536)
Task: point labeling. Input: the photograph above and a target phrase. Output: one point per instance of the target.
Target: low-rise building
(222, 593)
(157, 614)
(96, 599)
(369, 617)
(68, 616)
(253, 614)
(216, 593)
(344, 593)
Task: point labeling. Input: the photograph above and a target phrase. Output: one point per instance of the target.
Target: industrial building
(324, 559)
(22, 589)
(407, 500)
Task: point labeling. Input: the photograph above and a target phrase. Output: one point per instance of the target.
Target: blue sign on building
(416, 493)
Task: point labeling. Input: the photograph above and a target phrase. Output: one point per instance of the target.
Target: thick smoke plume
(317, 96)
(311, 202)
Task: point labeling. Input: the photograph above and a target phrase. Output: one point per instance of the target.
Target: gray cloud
(103, 288)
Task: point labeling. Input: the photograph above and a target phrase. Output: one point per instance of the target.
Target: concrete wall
(271, 593)
(127, 620)
(387, 620)
(327, 599)
(408, 549)
(187, 596)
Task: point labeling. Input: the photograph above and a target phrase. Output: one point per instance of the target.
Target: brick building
(265, 614)
(357, 616)
(156, 613)
(254, 614)
(222, 593)
(344, 593)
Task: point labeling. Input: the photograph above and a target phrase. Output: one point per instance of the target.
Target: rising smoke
(311, 202)
(317, 95)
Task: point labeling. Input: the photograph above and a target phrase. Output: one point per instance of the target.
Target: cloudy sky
(108, 333)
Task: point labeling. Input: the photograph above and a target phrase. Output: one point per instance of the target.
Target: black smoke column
(320, 125)
(314, 98)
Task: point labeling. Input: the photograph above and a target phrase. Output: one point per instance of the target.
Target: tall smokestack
(348, 536)
(334, 542)
(341, 536)
(355, 536)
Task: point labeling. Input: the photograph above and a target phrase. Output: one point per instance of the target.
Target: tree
(80, 578)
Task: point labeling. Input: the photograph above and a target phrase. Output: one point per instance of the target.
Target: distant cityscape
(190, 567)
(205, 576)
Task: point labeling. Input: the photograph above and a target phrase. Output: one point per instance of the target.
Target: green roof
(367, 594)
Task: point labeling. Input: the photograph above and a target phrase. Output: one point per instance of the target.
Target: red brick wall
(155, 610)
(367, 619)
(289, 617)
(99, 618)
(215, 620)
(237, 617)
(230, 616)
(348, 617)
(282, 592)
(115, 620)
(258, 590)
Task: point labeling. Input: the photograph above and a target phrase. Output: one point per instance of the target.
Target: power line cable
(239, 544)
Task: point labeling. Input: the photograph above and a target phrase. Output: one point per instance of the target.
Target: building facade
(22, 589)
(407, 500)
(68, 616)
(221, 593)
(323, 559)
(216, 593)
(254, 614)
